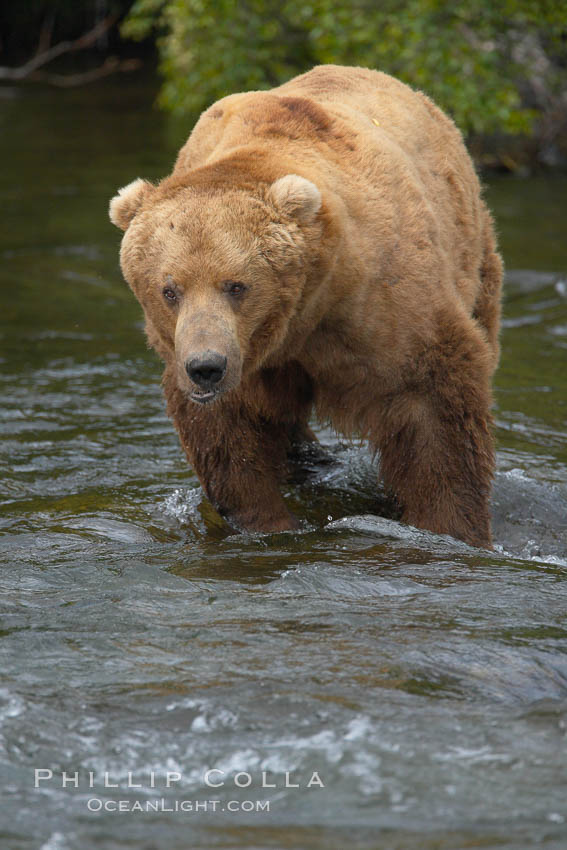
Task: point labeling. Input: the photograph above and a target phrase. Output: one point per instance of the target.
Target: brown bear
(324, 246)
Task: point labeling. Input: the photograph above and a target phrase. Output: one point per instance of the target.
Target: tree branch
(45, 56)
(110, 66)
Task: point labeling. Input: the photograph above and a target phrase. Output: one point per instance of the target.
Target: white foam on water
(364, 768)
(527, 555)
(358, 727)
(278, 764)
(56, 841)
(391, 529)
(238, 762)
(183, 505)
(11, 705)
(473, 756)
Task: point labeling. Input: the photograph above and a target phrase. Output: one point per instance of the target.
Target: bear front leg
(436, 447)
(239, 458)
(242, 471)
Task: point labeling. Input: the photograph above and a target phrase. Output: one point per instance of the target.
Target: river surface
(413, 688)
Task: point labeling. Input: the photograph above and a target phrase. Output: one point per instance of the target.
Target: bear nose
(206, 370)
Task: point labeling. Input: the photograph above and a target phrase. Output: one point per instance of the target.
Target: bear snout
(207, 369)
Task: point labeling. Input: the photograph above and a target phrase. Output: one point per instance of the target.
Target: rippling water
(415, 689)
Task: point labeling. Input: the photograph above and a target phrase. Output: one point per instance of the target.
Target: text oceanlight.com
(95, 804)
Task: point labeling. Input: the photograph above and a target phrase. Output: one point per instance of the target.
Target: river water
(413, 688)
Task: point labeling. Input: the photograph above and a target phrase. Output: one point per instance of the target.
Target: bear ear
(125, 205)
(296, 196)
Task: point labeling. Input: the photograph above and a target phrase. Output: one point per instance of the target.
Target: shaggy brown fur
(326, 243)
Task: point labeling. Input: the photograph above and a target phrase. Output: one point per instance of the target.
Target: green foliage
(462, 53)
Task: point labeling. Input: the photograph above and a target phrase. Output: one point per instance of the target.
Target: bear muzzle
(207, 351)
(206, 371)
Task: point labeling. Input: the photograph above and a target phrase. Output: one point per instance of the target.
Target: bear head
(219, 271)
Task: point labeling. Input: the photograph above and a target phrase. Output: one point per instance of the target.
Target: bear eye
(234, 287)
(169, 295)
